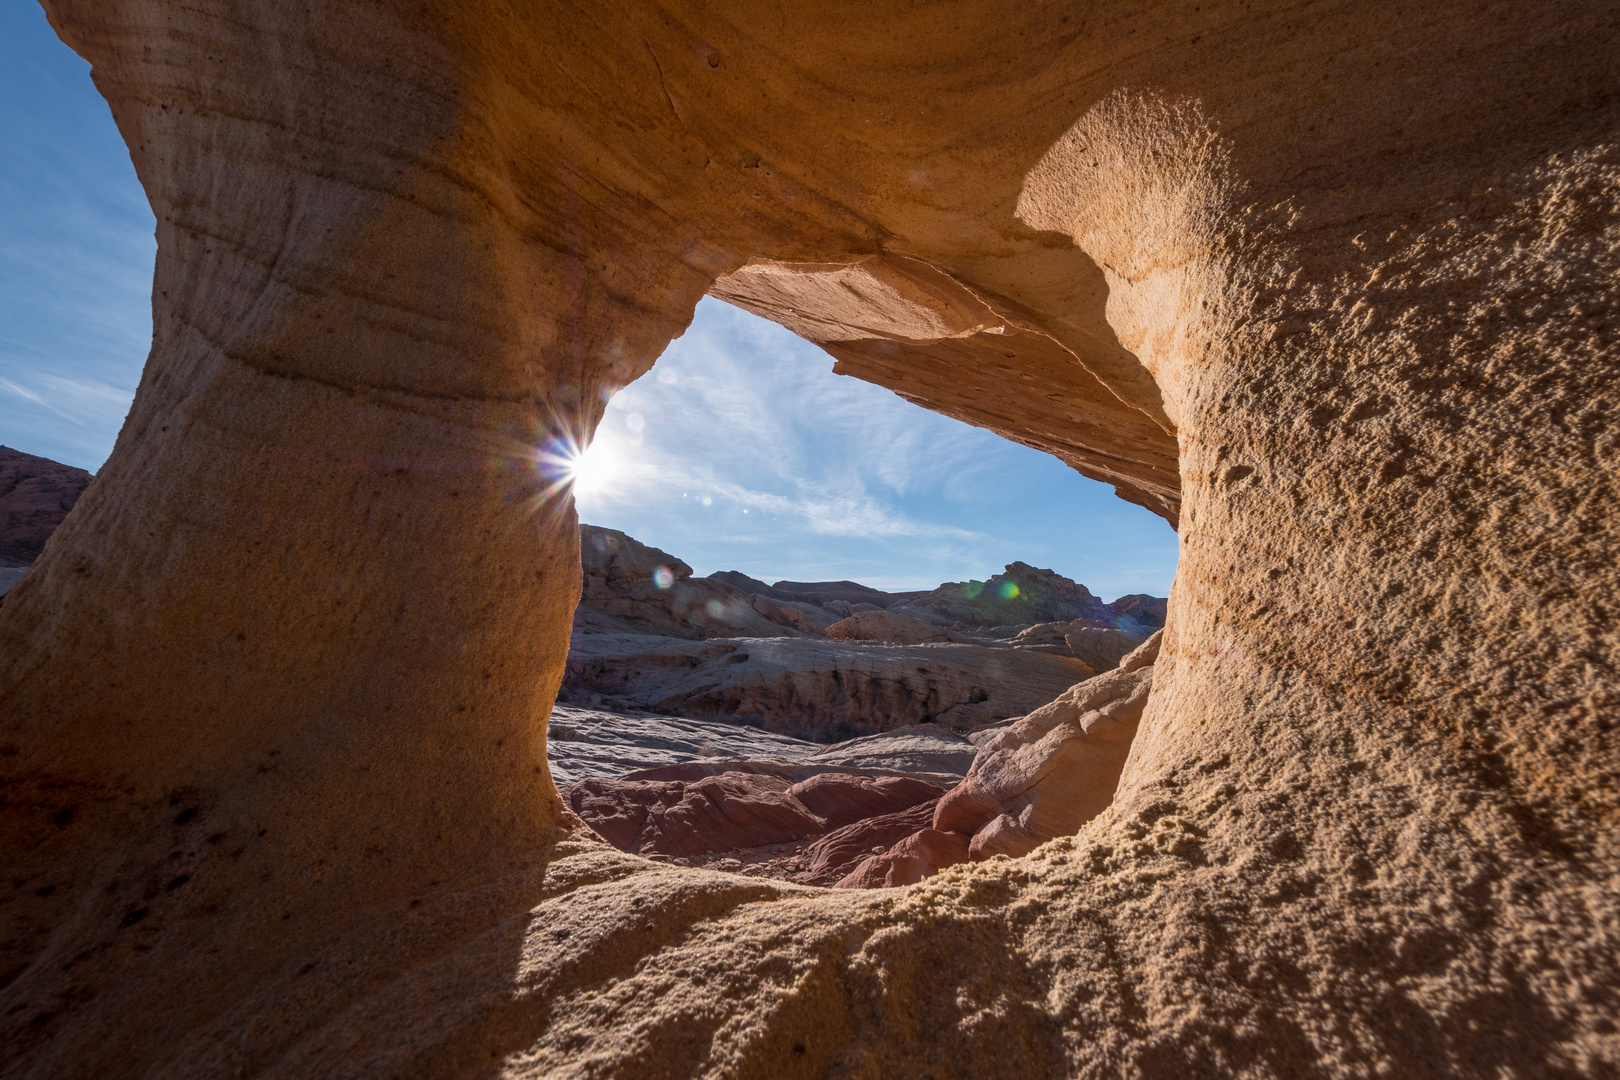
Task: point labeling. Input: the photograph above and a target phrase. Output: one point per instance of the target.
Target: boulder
(1101, 650)
(816, 618)
(1055, 769)
(920, 855)
(806, 618)
(836, 854)
(780, 615)
(885, 626)
(1039, 777)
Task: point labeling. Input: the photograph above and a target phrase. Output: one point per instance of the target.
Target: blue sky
(739, 450)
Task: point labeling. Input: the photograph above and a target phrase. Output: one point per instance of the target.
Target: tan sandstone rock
(885, 626)
(1331, 287)
(1101, 650)
(1037, 778)
(1056, 769)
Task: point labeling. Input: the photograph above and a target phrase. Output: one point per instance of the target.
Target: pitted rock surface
(1328, 287)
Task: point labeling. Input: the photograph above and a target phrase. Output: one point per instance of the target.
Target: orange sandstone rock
(1330, 287)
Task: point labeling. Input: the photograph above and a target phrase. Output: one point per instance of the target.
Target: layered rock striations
(816, 688)
(1330, 287)
(651, 638)
(647, 814)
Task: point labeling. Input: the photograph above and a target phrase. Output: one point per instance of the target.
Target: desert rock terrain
(650, 637)
(1329, 287)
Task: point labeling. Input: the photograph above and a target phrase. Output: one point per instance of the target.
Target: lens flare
(585, 468)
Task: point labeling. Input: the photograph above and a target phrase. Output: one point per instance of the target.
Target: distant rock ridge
(631, 587)
(649, 637)
(35, 495)
(812, 592)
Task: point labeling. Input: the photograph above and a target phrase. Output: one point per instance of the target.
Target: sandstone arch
(275, 789)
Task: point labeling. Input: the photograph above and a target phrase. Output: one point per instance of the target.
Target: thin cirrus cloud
(77, 237)
(742, 450)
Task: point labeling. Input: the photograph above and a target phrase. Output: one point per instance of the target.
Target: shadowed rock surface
(1330, 287)
(885, 626)
(926, 750)
(1098, 649)
(835, 855)
(35, 495)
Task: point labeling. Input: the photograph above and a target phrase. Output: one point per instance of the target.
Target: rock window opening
(789, 720)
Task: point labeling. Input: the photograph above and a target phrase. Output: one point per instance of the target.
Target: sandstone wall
(1330, 285)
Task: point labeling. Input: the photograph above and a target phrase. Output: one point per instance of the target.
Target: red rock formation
(736, 809)
(918, 856)
(35, 495)
(836, 854)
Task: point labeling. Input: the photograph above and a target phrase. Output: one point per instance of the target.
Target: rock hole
(773, 722)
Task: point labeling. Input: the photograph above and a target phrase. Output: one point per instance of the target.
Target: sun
(593, 469)
(583, 468)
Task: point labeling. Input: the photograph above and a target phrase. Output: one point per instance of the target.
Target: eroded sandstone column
(291, 658)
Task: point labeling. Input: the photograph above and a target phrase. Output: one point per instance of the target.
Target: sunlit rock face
(1331, 287)
(630, 588)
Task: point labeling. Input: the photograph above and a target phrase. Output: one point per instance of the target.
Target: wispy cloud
(85, 402)
(741, 449)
